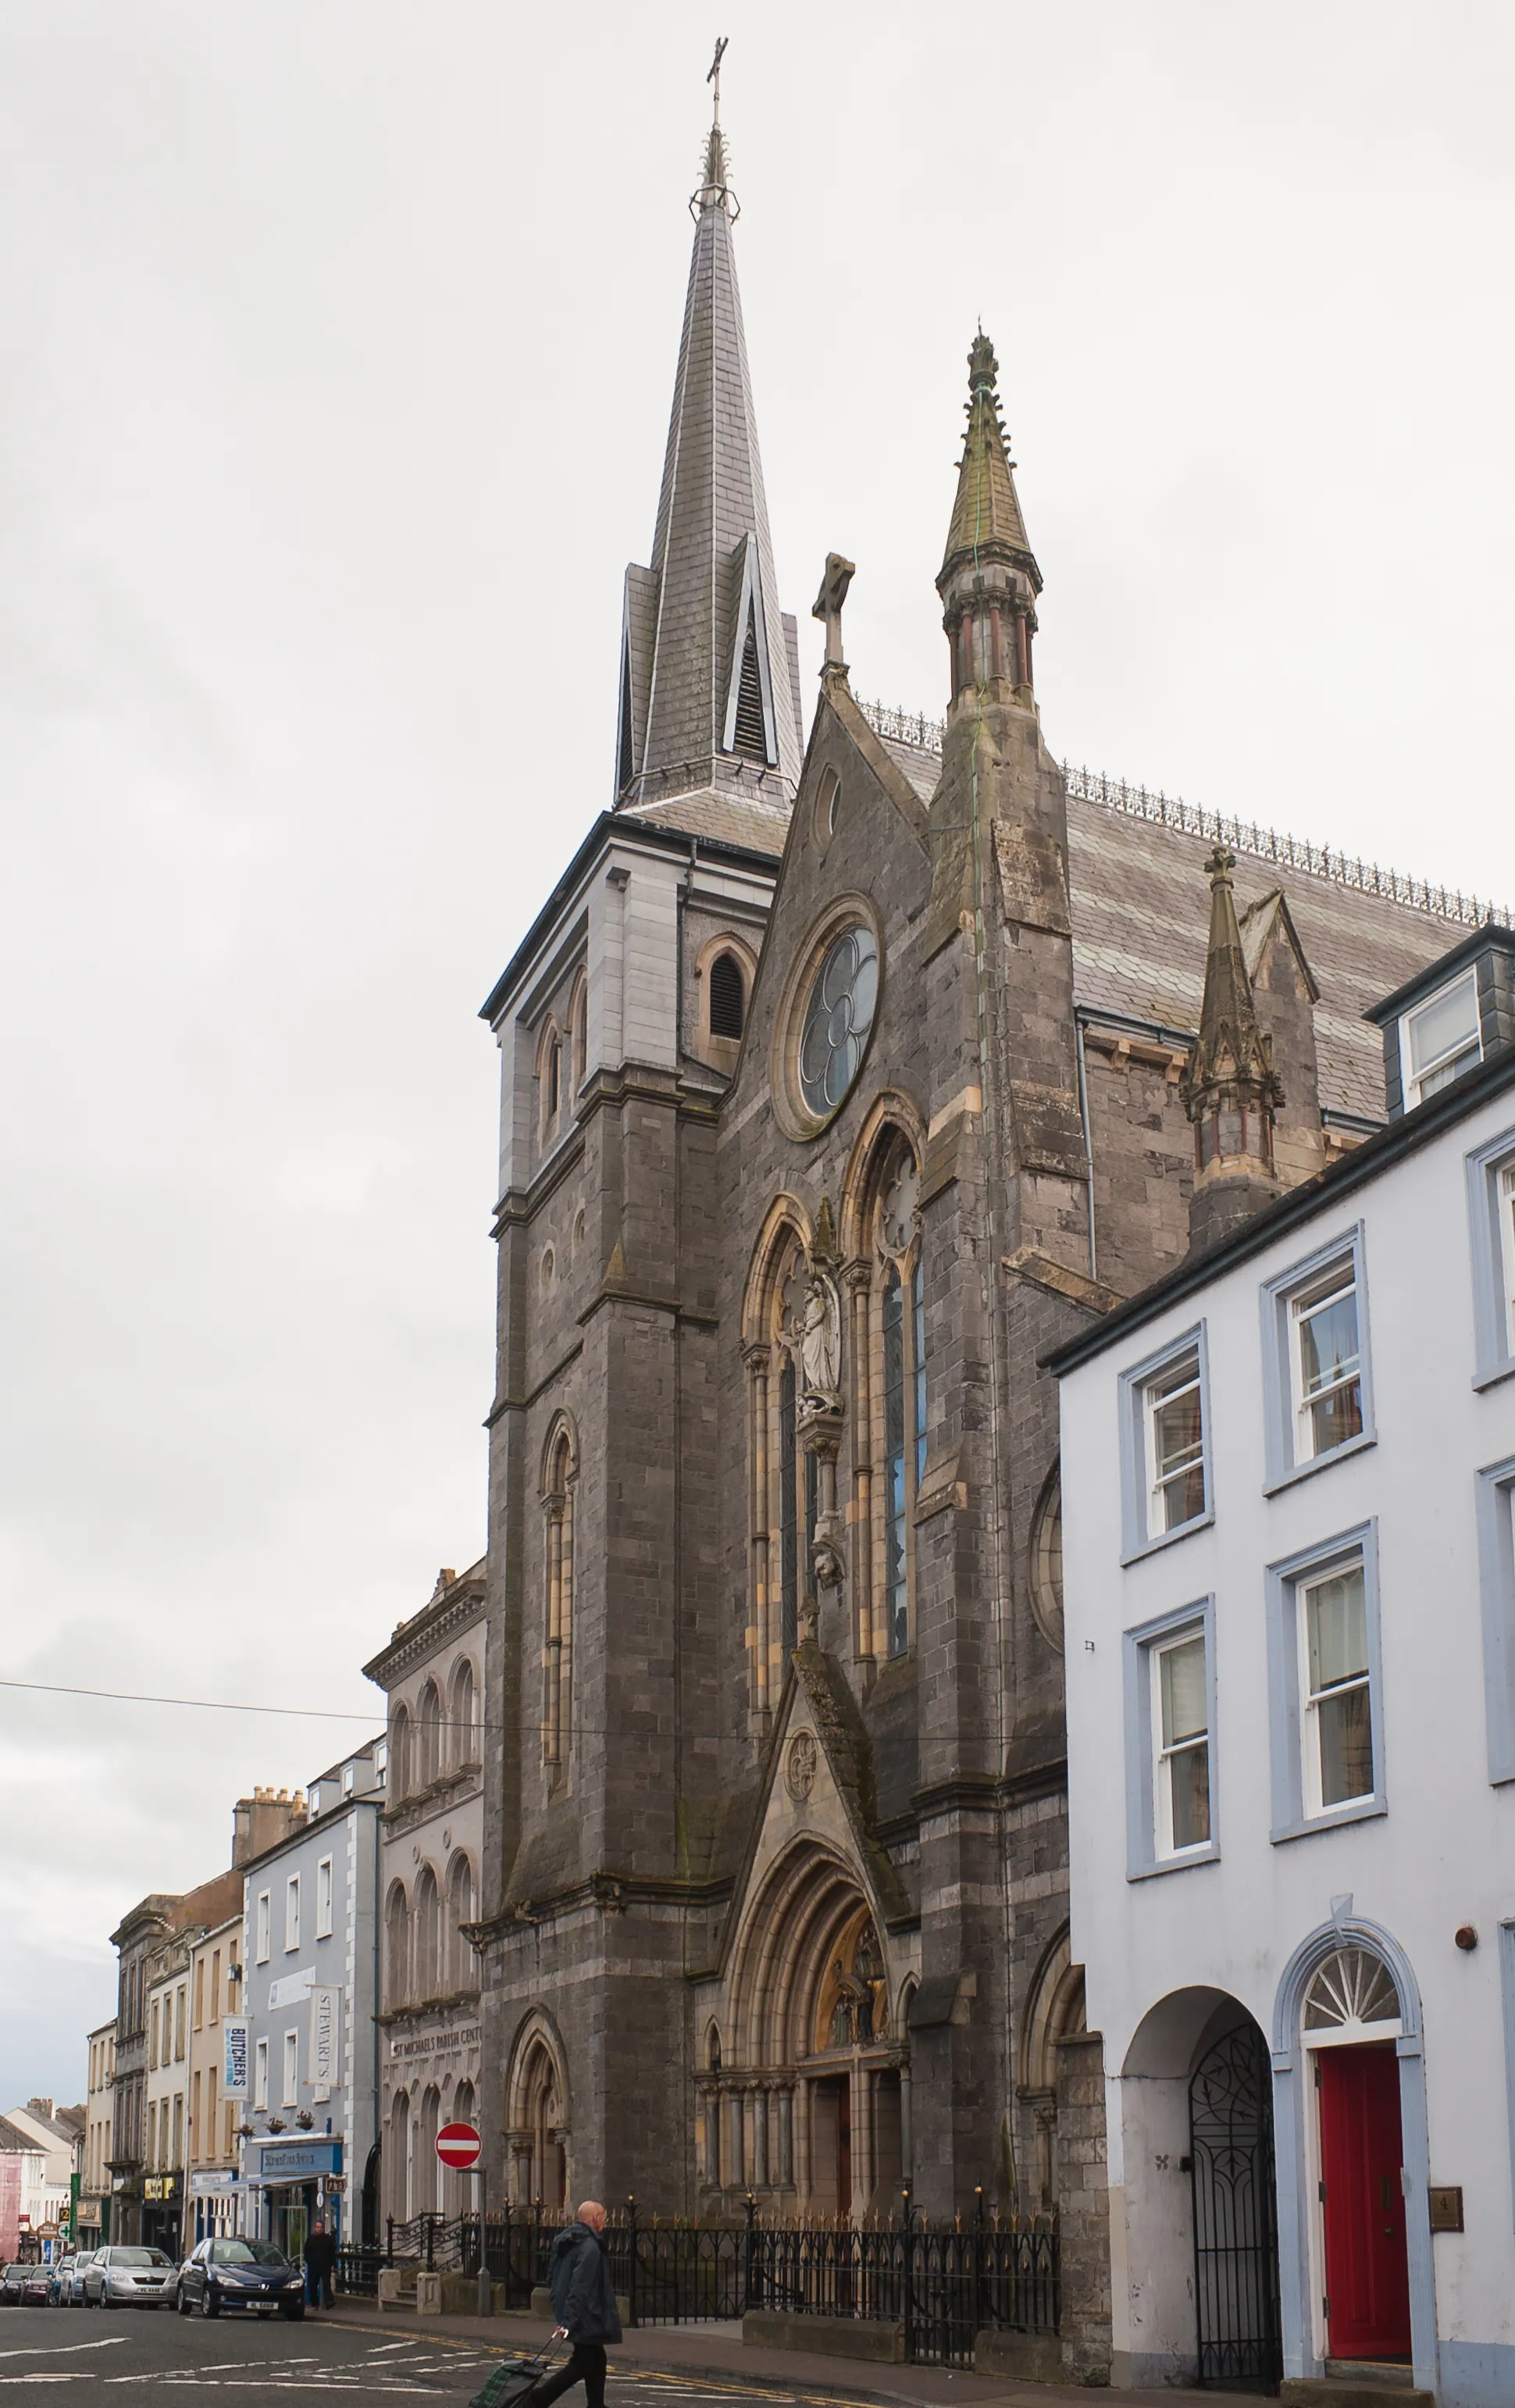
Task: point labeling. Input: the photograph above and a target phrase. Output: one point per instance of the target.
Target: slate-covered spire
(989, 581)
(709, 664)
(1230, 1089)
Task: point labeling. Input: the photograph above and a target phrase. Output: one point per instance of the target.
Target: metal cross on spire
(714, 75)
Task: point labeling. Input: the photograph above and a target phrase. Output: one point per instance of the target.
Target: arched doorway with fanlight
(1353, 2159)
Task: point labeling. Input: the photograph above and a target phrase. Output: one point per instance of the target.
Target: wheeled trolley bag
(513, 2382)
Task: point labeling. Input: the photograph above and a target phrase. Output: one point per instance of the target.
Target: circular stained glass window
(837, 1019)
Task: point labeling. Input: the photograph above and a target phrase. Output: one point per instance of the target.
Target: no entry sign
(458, 2144)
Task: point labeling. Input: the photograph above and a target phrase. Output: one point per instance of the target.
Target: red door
(1367, 2269)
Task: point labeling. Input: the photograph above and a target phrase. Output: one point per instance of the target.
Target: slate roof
(680, 614)
(1141, 917)
(12, 2138)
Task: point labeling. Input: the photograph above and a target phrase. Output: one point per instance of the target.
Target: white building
(310, 1967)
(1288, 1477)
(48, 2193)
(95, 2174)
(430, 2071)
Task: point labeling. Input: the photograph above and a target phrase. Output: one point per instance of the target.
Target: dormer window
(1440, 1039)
(1439, 1026)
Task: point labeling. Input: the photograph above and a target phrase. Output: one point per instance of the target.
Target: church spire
(709, 664)
(989, 581)
(1229, 1087)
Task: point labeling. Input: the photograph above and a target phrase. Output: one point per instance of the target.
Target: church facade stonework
(839, 1086)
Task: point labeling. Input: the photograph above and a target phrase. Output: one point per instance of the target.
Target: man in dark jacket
(584, 2304)
(320, 2258)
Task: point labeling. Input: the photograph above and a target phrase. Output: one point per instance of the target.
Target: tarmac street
(149, 2355)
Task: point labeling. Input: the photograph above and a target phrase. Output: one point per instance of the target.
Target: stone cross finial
(828, 605)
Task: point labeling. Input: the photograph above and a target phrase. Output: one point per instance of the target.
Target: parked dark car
(26, 2286)
(251, 2275)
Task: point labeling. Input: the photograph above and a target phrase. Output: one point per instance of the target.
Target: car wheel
(183, 2302)
(106, 2300)
(293, 2313)
(210, 2305)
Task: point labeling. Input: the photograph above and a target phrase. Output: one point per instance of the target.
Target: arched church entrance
(803, 2100)
(537, 2117)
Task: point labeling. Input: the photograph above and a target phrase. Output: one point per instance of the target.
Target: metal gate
(1236, 2213)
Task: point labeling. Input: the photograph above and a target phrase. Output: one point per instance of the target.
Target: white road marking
(66, 2349)
(74, 2375)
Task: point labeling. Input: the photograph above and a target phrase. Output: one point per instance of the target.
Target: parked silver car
(121, 2275)
(73, 2292)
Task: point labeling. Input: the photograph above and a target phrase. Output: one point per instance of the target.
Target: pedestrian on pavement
(584, 2304)
(320, 2258)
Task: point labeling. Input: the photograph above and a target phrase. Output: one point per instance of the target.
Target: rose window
(838, 1020)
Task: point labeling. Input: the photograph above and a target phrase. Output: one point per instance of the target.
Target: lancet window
(557, 1648)
(889, 1355)
(783, 1482)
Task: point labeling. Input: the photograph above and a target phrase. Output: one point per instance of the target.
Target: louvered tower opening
(750, 738)
(728, 996)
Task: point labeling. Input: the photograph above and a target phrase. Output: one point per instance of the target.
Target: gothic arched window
(428, 1735)
(400, 1766)
(784, 1471)
(397, 1948)
(728, 996)
(557, 1653)
(463, 1734)
(459, 1909)
(578, 1036)
(428, 1973)
(897, 1370)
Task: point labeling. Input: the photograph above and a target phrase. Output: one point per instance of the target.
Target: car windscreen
(247, 2252)
(138, 2257)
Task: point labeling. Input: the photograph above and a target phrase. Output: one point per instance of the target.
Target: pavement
(353, 2352)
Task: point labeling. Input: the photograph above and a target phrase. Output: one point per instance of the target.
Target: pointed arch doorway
(803, 2096)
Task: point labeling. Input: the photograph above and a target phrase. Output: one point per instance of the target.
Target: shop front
(298, 2183)
(94, 2221)
(163, 2213)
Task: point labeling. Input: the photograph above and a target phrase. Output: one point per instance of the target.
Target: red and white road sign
(458, 2144)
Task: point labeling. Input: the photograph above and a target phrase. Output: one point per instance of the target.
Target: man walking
(320, 2258)
(584, 2304)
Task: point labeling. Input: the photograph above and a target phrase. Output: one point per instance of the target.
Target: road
(149, 2354)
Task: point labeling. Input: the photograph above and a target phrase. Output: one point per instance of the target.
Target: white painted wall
(1442, 1856)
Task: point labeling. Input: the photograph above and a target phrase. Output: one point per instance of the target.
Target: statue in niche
(820, 1343)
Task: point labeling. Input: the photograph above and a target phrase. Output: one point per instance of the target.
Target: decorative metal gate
(1236, 2213)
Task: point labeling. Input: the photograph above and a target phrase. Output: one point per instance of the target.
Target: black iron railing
(943, 2283)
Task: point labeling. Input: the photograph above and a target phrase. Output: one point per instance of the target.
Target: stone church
(848, 1070)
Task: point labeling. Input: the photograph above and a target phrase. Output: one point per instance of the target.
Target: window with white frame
(323, 1898)
(292, 1912)
(1170, 1681)
(263, 1921)
(1491, 1197)
(1440, 1040)
(1325, 1362)
(1315, 1359)
(1179, 1689)
(1166, 1484)
(1175, 1424)
(1496, 1496)
(1507, 1250)
(1337, 1708)
(260, 2074)
(292, 2069)
(1325, 1707)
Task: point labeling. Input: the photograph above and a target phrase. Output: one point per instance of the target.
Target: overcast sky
(336, 344)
